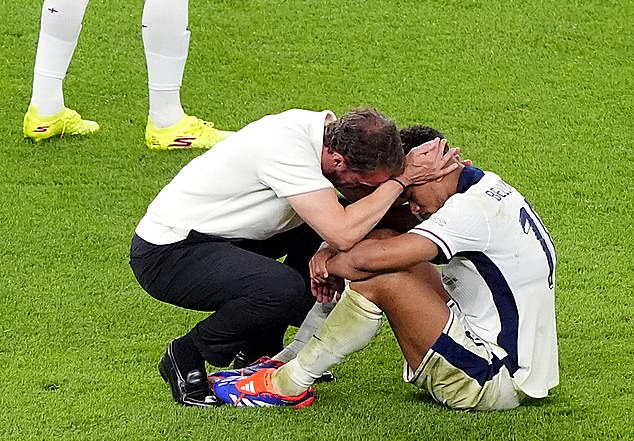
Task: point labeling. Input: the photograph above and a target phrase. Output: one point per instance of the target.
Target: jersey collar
(468, 177)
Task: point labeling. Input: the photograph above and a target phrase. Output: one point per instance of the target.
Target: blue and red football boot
(257, 390)
(258, 365)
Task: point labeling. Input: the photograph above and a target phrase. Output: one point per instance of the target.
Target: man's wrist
(403, 181)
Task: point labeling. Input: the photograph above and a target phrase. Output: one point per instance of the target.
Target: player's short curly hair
(416, 135)
(367, 139)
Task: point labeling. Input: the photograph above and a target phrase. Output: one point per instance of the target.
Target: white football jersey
(500, 272)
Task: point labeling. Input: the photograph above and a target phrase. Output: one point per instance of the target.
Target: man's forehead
(374, 177)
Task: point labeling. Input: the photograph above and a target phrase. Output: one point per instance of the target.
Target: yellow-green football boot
(190, 132)
(64, 122)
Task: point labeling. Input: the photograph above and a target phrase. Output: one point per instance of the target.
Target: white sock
(59, 31)
(166, 44)
(349, 328)
(313, 320)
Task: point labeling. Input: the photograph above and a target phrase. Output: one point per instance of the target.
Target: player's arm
(375, 256)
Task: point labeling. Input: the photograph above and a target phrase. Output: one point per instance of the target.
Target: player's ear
(414, 207)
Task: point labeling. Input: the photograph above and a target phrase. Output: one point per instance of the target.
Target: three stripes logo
(242, 401)
(183, 142)
(248, 387)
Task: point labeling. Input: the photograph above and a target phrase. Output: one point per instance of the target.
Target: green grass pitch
(539, 92)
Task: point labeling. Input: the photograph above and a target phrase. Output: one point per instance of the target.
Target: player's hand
(317, 264)
(426, 163)
(325, 292)
(321, 292)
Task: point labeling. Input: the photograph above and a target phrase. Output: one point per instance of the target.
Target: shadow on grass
(426, 398)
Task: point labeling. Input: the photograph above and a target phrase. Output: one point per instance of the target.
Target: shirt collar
(468, 177)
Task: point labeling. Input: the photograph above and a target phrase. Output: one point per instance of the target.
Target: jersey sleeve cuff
(443, 247)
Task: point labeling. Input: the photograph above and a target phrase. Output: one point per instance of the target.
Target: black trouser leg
(259, 307)
(252, 294)
(298, 245)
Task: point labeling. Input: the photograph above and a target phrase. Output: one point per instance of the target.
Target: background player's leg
(59, 31)
(166, 43)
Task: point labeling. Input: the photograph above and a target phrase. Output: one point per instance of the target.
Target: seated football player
(479, 335)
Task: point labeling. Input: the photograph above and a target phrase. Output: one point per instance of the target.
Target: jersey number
(528, 223)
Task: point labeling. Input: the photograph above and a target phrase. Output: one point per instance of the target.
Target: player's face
(421, 200)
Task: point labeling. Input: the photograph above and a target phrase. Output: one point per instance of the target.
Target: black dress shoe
(242, 360)
(191, 389)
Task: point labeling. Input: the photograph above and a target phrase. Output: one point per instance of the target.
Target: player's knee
(372, 289)
(378, 289)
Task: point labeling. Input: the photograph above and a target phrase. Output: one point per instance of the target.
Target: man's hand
(324, 286)
(426, 163)
(466, 162)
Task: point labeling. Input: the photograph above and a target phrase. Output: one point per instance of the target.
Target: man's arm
(342, 227)
(375, 256)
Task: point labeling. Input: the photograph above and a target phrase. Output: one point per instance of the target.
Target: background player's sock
(59, 31)
(349, 328)
(313, 320)
(166, 44)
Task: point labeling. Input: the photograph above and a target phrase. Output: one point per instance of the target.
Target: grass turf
(539, 92)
